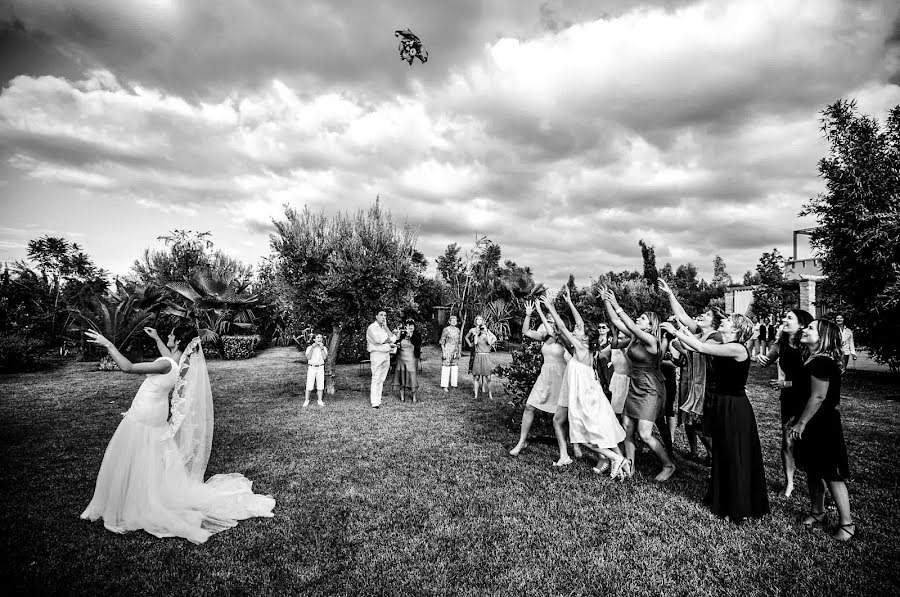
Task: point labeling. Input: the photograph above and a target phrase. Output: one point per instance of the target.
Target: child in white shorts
(316, 353)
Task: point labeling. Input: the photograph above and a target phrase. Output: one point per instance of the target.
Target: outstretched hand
(668, 327)
(664, 286)
(568, 294)
(152, 333)
(97, 338)
(529, 308)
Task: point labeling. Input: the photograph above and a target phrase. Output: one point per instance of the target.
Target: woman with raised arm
(647, 391)
(695, 377)
(788, 351)
(737, 484)
(817, 432)
(545, 392)
(152, 473)
(620, 379)
(582, 401)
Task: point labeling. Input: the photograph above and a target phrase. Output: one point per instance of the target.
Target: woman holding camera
(409, 350)
(482, 340)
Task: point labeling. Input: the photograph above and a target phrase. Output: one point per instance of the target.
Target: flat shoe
(562, 462)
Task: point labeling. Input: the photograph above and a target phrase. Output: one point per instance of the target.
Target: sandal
(618, 469)
(816, 518)
(628, 468)
(844, 528)
(562, 462)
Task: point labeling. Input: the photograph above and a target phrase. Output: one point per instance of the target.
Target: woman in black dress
(817, 433)
(737, 484)
(788, 351)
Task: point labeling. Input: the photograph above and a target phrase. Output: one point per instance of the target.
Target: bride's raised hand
(96, 338)
(152, 333)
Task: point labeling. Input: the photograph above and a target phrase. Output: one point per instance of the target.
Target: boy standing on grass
(316, 353)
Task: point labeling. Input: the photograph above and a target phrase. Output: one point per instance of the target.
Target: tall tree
(768, 298)
(59, 261)
(858, 238)
(686, 278)
(720, 276)
(338, 272)
(751, 278)
(648, 255)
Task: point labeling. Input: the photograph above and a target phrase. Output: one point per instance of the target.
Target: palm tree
(213, 304)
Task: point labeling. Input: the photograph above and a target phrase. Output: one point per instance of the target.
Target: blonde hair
(743, 327)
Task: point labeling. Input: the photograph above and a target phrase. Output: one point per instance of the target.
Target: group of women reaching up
(712, 355)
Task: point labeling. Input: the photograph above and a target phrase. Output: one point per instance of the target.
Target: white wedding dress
(144, 482)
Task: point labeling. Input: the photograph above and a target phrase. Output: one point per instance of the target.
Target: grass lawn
(423, 499)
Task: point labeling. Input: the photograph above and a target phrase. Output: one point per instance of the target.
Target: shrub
(353, 347)
(520, 375)
(18, 353)
(239, 347)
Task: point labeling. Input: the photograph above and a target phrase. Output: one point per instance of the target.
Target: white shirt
(316, 355)
(847, 341)
(378, 338)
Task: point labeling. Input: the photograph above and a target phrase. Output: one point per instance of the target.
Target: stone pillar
(808, 296)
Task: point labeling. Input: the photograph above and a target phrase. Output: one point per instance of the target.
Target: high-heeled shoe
(815, 518)
(617, 471)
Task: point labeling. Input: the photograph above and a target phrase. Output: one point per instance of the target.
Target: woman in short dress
(621, 377)
(409, 350)
(788, 351)
(737, 484)
(545, 392)
(481, 339)
(818, 436)
(647, 392)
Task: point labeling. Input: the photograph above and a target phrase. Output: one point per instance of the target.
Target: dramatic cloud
(563, 133)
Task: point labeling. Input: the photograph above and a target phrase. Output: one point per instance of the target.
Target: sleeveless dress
(620, 381)
(790, 359)
(482, 364)
(545, 392)
(647, 390)
(822, 452)
(406, 374)
(737, 484)
(591, 417)
(142, 483)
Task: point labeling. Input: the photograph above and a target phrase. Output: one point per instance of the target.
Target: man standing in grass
(380, 343)
(316, 353)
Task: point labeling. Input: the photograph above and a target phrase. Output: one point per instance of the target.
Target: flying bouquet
(410, 46)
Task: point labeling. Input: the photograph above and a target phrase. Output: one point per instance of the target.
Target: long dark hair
(183, 336)
(804, 318)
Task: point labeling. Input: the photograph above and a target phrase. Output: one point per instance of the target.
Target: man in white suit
(380, 343)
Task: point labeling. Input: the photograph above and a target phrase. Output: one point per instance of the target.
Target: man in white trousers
(380, 343)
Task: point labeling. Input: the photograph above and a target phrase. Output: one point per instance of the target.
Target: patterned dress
(450, 346)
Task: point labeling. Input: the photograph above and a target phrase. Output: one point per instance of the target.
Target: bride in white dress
(151, 477)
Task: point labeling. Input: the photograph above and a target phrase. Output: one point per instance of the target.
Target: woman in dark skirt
(409, 351)
(737, 484)
(788, 350)
(819, 446)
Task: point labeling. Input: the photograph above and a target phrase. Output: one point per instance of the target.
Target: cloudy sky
(564, 131)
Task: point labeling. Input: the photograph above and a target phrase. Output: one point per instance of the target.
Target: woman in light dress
(545, 392)
(620, 380)
(582, 401)
(152, 473)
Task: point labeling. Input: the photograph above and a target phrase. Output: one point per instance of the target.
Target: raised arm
(559, 324)
(158, 366)
(575, 314)
(677, 309)
(613, 316)
(160, 345)
(732, 349)
(649, 340)
(526, 324)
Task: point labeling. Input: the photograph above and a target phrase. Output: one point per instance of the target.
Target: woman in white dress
(582, 401)
(545, 392)
(151, 477)
(620, 380)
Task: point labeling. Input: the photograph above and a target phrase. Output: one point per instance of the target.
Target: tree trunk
(331, 360)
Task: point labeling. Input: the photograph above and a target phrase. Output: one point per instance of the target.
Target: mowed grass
(423, 499)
